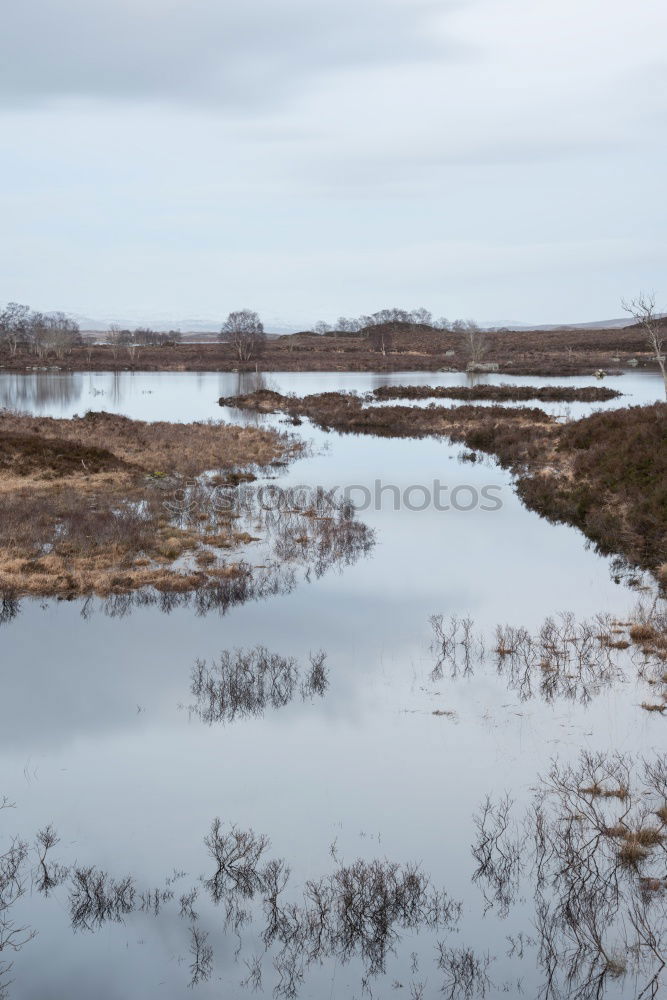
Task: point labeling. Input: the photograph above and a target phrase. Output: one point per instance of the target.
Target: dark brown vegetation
(610, 479)
(345, 412)
(406, 347)
(514, 393)
(88, 505)
(606, 473)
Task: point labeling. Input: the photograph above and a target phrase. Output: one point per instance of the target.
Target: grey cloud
(229, 52)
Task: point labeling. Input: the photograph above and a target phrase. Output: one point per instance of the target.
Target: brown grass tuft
(86, 502)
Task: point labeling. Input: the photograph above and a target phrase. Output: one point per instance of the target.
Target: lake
(102, 737)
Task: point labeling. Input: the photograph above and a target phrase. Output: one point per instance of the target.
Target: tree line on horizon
(40, 333)
(57, 333)
(244, 331)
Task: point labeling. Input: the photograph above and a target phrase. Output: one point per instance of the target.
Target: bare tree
(59, 334)
(14, 325)
(642, 310)
(473, 340)
(422, 316)
(245, 332)
(114, 338)
(345, 325)
(380, 338)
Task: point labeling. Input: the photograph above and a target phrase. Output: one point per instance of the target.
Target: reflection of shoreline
(35, 391)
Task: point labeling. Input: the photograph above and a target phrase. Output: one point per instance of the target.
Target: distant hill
(206, 329)
(202, 328)
(605, 324)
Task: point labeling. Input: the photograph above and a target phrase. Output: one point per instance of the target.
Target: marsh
(370, 793)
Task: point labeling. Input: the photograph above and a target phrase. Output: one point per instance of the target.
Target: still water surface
(98, 738)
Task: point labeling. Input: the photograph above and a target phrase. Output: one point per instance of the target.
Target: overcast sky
(174, 159)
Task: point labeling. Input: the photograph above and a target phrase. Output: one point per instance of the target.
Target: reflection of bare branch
(466, 973)
(316, 681)
(456, 645)
(187, 902)
(598, 829)
(569, 658)
(245, 682)
(49, 874)
(237, 855)
(254, 977)
(96, 898)
(202, 956)
(13, 876)
(497, 852)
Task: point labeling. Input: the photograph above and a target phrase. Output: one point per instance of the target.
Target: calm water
(97, 736)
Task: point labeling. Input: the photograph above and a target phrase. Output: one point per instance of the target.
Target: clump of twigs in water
(316, 680)
(201, 966)
(237, 854)
(246, 682)
(466, 973)
(13, 885)
(594, 846)
(498, 853)
(96, 898)
(49, 874)
(358, 910)
(566, 657)
(458, 648)
(9, 607)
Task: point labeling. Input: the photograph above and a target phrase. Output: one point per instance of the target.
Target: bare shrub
(237, 854)
(96, 898)
(245, 682)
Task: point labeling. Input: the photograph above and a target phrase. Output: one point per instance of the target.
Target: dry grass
(100, 441)
(643, 633)
(598, 791)
(86, 503)
(648, 836)
(632, 854)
